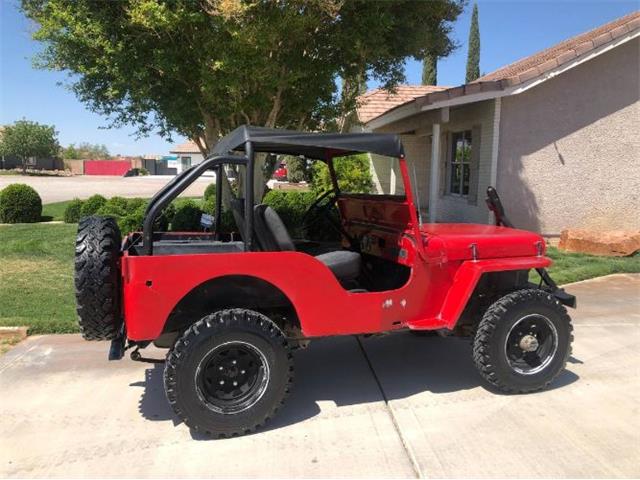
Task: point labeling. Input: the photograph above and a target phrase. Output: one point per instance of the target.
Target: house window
(460, 163)
(186, 162)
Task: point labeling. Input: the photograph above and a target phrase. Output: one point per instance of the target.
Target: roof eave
(480, 91)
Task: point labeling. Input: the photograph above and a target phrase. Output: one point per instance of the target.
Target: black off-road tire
(490, 341)
(186, 364)
(97, 278)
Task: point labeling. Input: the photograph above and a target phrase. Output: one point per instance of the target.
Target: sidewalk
(411, 407)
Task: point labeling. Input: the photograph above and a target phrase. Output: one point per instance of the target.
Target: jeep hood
(454, 241)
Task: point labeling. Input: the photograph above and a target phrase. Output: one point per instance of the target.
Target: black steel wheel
(233, 377)
(523, 341)
(229, 373)
(531, 344)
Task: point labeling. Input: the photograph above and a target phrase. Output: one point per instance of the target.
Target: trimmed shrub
(19, 203)
(352, 171)
(115, 207)
(210, 191)
(187, 217)
(131, 222)
(92, 205)
(291, 206)
(228, 222)
(72, 212)
(296, 169)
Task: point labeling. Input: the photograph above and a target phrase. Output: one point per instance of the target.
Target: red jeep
(231, 309)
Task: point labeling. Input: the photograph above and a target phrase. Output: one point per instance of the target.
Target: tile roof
(541, 62)
(187, 147)
(376, 102)
(535, 65)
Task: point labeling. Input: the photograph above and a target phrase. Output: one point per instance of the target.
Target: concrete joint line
(7, 363)
(405, 444)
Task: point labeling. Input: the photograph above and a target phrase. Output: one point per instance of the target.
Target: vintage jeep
(231, 308)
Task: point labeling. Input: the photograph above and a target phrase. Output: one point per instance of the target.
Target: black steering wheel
(321, 210)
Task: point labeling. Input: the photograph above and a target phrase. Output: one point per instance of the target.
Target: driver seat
(272, 236)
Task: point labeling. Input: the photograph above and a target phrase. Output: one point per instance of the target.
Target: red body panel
(441, 280)
(446, 262)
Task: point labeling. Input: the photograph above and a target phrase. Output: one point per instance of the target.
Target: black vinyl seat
(273, 236)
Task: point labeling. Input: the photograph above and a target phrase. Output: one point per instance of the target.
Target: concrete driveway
(400, 406)
(57, 189)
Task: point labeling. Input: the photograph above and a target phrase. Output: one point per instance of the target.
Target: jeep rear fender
(464, 283)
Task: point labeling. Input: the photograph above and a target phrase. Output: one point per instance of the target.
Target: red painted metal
(106, 167)
(446, 262)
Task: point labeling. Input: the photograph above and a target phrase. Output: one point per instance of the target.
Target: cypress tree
(473, 56)
(430, 70)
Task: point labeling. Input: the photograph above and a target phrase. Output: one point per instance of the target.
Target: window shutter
(445, 166)
(474, 166)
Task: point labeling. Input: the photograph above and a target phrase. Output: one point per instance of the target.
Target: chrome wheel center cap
(529, 343)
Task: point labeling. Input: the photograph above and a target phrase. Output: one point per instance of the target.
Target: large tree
(25, 139)
(202, 67)
(85, 151)
(473, 56)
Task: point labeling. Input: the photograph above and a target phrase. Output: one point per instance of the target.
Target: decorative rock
(615, 243)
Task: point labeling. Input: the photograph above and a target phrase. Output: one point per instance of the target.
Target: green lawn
(54, 211)
(36, 274)
(36, 277)
(573, 267)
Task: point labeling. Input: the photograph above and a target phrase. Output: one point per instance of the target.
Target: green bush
(115, 207)
(92, 205)
(296, 169)
(72, 211)
(352, 171)
(291, 206)
(228, 222)
(187, 216)
(20, 203)
(210, 191)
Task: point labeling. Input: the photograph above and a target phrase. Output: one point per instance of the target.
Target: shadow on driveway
(334, 369)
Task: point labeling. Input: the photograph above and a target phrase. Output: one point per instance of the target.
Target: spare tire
(97, 278)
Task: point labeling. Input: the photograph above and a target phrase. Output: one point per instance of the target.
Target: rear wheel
(97, 278)
(229, 373)
(523, 341)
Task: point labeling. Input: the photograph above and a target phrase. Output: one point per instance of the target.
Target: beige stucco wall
(569, 152)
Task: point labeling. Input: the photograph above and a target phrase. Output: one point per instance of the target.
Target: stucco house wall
(569, 151)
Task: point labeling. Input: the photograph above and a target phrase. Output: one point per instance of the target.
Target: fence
(106, 167)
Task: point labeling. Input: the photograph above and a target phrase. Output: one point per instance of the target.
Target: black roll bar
(218, 220)
(248, 198)
(179, 184)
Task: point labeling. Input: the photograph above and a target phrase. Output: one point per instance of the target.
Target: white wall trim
(434, 181)
(495, 146)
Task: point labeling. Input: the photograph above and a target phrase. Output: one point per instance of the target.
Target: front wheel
(523, 341)
(229, 373)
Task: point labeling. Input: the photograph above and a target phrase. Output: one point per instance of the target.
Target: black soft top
(311, 145)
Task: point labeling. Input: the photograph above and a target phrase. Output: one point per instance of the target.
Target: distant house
(556, 132)
(187, 154)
